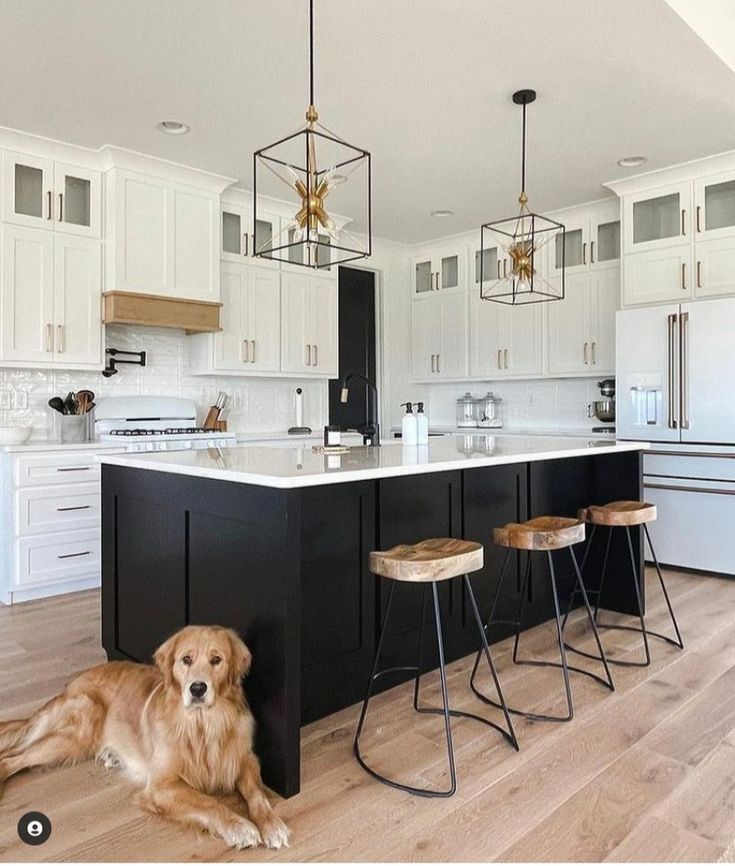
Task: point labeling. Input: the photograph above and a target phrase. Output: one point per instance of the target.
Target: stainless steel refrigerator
(675, 370)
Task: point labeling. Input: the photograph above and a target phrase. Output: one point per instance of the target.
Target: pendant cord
(523, 153)
(311, 52)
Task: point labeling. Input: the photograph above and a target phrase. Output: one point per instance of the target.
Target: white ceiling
(424, 84)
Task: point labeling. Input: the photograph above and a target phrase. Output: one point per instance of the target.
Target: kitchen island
(274, 542)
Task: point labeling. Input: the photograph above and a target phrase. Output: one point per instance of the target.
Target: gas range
(148, 423)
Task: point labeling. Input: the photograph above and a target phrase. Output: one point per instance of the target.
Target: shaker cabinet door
(27, 296)
(262, 327)
(77, 301)
(28, 183)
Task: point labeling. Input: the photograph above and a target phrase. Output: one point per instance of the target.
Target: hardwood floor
(644, 774)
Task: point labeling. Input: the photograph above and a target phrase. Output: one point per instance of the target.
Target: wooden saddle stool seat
(624, 513)
(541, 533)
(428, 561)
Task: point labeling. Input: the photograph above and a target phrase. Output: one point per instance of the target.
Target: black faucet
(371, 430)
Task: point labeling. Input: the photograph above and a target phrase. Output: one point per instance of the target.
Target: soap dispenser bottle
(422, 425)
(409, 428)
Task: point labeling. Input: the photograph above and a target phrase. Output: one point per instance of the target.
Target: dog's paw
(242, 834)
(109, 759)
(275, 833)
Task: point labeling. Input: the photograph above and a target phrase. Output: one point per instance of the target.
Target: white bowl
(15, 435)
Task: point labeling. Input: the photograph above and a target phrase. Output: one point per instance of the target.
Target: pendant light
(325, 175)
(510, 249)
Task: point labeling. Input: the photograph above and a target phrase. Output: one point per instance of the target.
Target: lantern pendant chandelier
(511, 249)
(325, 175)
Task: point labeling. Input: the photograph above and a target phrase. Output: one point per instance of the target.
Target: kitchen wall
(258, 405)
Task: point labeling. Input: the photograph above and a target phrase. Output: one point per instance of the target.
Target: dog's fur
(179, 748)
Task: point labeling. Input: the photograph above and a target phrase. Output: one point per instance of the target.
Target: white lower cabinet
(439, 337)
(657, 276)
(49, 523)
(714, 268)
(250, 339)
(505, 340)
(309, 339)
(50, 299)
(581, 327)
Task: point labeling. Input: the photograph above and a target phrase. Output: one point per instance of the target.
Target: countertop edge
(135, 461)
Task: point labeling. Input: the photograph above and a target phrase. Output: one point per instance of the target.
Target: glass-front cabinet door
(424, 277)
(437, 271)
(570, 249)
(28, 190)
(77, 200)
(266, 234)
(658, 218)
(605, 244)
(234, 237)
(714, 207)
(487, 266)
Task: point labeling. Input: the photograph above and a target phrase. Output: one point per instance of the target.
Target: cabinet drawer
(56, 468)
(691, 465)
(57, 556)
(55, 509)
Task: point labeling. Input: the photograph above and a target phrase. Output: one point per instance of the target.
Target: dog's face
(205, 663)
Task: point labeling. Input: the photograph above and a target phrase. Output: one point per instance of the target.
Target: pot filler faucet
(371, 429)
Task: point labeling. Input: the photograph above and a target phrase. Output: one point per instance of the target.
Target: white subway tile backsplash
(258, 405)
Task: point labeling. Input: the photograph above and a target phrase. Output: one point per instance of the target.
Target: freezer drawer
(695, 523)
(688, 466)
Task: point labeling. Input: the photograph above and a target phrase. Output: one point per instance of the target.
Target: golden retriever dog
(180, 730)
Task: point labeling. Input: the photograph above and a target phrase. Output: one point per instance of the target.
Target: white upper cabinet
(439, 337)
(41, 193)
(658, 218)
(234, 236)
(714, 235)
(250, 340)
(441, 267)
(50, 300)
(164, 238)
(309, 340)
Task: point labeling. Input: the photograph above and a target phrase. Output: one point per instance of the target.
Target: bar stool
(623, 515)
(430, 562)
(544, 534)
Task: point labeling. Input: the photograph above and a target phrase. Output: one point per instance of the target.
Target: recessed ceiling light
(440, 214)
(632, 161)
(172, 127)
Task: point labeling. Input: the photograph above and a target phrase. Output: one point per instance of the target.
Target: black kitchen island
(274, 542)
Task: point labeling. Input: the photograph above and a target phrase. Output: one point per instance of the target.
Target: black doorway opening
(356, 346)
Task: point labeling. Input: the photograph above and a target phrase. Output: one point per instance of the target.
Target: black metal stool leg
(678, 642)
(491, 617)
(421, 792)
(521, 605)
(575, 589)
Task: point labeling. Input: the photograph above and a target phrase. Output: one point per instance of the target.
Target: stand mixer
(604, 410)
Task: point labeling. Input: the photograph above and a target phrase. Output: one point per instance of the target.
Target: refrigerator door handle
(684, 370)
(671, 391)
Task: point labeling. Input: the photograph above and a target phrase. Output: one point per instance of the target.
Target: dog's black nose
(198, 689)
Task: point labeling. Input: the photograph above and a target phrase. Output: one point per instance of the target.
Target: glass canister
(466, 411)
(487, 411)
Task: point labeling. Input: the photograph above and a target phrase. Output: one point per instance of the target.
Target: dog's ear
(164, 658)
(241, 657)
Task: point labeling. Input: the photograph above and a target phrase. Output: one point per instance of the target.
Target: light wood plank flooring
(646, 773)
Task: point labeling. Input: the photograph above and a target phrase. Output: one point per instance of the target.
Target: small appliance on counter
(478, 411)
(149, 423)
(299, 429)
(604, 410)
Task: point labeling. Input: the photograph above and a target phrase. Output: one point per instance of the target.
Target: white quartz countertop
(49, 445)
(301, 466)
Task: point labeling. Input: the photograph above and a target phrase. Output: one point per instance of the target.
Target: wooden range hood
(135, 308)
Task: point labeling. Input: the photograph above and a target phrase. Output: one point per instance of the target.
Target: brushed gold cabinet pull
(61, 207)
(50, 207)
(500, 359)
(433, 363)
(592, 252)
(593, 347)
(498, 268)
(245, 353)
(683, 276)
(252, 351)
(245, 244)
(683, 222)
(308, 354)
(505, 358)
(438, 364)
(584, 253)
(438, 286)
(505, 267)
(60, 347)
(584, 353)
(699, 274)
(49, 337)
(699, 215)
(316, 355)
